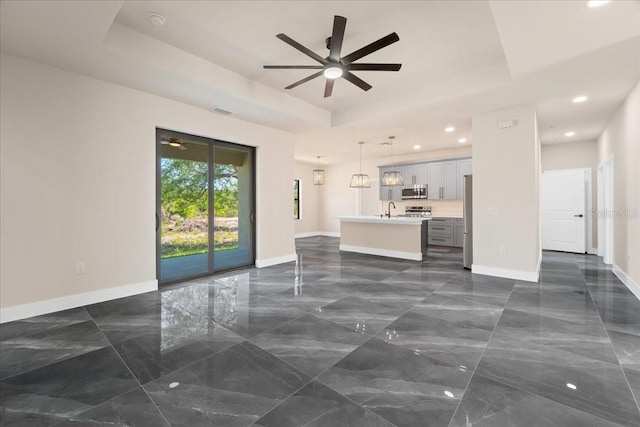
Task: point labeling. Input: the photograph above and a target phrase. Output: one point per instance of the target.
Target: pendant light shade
(393, 177)
(318, 175)
(360, 180)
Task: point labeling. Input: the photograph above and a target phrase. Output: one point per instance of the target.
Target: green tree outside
(184, 195)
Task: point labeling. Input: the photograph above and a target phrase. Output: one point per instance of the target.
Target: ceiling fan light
(175, 143)
(332, 72)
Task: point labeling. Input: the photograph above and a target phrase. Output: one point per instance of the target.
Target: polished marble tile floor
(338, 339)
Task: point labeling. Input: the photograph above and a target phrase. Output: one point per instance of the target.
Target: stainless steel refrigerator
(467, 212)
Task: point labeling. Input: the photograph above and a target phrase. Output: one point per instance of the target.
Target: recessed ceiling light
(448, 393)
(579, 99)
(570, 133)
(571, 386)
(416, 147)
(597, 3)
(462, 140)
(449, 129)
(157, 19)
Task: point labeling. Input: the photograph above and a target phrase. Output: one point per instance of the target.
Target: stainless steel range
(417, 211)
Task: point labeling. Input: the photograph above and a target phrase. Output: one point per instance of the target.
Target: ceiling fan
(334, 66)
(174, 142)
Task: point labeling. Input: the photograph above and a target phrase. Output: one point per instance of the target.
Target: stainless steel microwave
(418, 191)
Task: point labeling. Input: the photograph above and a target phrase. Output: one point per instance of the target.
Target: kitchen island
(395, 237)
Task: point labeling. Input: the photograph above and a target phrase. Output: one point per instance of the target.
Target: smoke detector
(157, 19)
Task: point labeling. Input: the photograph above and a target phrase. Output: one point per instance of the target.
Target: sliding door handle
(157, 222)
(579, 216)
(252, 217)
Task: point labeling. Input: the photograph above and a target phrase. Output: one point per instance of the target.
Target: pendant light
(318, 175)
(360, 180)
(392, 178)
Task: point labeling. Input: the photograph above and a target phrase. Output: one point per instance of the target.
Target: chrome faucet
(389, 209)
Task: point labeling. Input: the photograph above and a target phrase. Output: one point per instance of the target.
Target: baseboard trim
(593, 251)
(38, 308)
(527, 276)
(303, 235)
(628, 281)
(413, 256)
(268, 262)
(317, 233)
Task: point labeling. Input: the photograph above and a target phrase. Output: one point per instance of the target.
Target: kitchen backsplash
(444, 208)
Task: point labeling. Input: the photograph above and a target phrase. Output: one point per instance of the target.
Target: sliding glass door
(233, 206)
(205, 206)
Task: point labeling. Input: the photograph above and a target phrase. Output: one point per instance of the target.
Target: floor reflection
(183, 316)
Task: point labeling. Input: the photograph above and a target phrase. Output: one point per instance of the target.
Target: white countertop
(399, 220)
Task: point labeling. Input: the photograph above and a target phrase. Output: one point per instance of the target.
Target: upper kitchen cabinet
(408, 174)
(415, 174)
(443, 180)
(464, 168)
(422, 173)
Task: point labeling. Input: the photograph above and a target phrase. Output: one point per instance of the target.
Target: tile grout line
(606, 331)
(316, 378)
(131, 372)
(536, 394)
(481, 357)
(347, 397)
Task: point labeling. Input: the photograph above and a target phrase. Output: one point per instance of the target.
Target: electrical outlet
(80, 268)
(503, 249)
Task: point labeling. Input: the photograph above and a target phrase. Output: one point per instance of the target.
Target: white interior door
(564, 210)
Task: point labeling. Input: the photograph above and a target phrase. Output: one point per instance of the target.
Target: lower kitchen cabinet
(458, 233)
(444, 232)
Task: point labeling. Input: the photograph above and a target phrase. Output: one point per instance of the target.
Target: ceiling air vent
(508, 124)
(222, 111)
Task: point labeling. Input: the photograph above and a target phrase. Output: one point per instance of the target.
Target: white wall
(338, 199)
(621, 138)
(310, 208)
(78, 181)
(506, 208)
(575, 155)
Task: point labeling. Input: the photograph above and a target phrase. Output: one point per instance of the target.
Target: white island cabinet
(395, 237)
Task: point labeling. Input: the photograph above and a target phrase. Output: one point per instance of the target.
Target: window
(296, 199)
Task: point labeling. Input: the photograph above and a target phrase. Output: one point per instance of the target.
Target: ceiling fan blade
(301, 48)
(293, 67)
(306, 79)
(373, 67)
(356, 81)
(370, 48)
(328, 87)
(337, 36)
